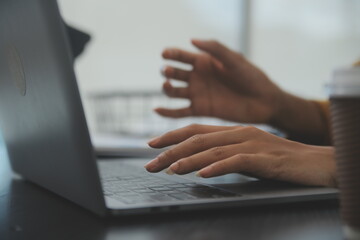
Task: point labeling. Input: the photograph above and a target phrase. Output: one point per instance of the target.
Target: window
(123, 58)
(300, 42)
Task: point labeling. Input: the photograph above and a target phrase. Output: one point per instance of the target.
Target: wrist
(281, 110)
(301, 119)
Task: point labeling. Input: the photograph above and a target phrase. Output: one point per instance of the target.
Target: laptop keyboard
(142, 187)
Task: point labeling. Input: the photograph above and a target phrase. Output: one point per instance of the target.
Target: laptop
(109, 146)
(48, 143)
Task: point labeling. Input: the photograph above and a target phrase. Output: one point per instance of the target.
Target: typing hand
(215, 150)
(222, 83)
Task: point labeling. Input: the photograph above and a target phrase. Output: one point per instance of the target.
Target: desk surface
(30, 212)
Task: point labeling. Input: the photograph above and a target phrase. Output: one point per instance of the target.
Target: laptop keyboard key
(143, 190)
(194, 185)
(168, 192)
(139, 187)
(182, 196)
(160, 197)
(160, 189)
(209, 192)
(176, 186)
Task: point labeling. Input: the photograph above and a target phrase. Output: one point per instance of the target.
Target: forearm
(303, 120)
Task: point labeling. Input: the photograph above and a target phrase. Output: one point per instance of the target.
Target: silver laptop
(48, 143)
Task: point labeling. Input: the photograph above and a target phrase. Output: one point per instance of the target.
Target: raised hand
(222, 84)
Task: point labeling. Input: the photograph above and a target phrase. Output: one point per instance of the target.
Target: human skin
(223, 84)
(218, 150)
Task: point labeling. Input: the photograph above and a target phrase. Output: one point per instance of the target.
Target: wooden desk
(30, 212)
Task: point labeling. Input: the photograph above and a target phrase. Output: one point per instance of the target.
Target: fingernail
(169, 52)
(172, 169)
(162, 70)
(152, 165)
(203, 173)
(169, 172)
(153, 140)
(196, 40)
(168, 83)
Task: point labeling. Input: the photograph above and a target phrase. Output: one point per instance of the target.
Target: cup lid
(345, 82)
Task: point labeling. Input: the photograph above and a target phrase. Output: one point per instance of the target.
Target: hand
(222, 84)
(214, 151)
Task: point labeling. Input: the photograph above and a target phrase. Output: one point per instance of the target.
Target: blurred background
(297, 43)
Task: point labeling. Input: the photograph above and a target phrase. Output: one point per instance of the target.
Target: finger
(196, 143)
(175, 73)
(181, 134)
(231, 134)
(173, 92)
(179, 55)
(243, 143)
(174, 113)
(217, 50)
(203, 159)
(235, 164)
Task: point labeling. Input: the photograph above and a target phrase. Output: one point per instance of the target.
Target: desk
(30, 212)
